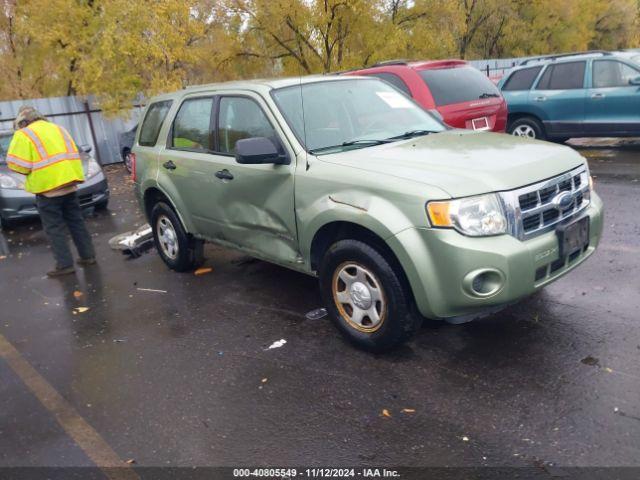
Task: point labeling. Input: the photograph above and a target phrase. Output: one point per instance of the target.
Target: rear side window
(611, 73)
(241, 118)
(192, 126)
(564, 76)
(394, 80)
(522, 79)
(456, 85)
(152, 123)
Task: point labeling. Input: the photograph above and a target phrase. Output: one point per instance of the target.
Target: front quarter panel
(327, 193)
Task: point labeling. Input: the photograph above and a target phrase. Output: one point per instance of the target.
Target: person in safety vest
(48, 156)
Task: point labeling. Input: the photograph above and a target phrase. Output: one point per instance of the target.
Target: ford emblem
(563, 200)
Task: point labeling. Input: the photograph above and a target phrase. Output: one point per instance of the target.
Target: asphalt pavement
(128, 361)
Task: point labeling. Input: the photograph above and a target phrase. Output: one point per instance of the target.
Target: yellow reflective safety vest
(47, 154)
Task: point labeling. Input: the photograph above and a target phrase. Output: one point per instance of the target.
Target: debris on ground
(264, 380)
(133, 243)
(316, 314)
(131, 461)
(408, 410)
(151, 290)
(591, 361)
(385, 413)
(2, 257)
(465, 439)
(277, 344)
(203, 271)
(77, 294)
(80, 310)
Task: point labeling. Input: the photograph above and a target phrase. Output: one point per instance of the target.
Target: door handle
(597, 95)
(169, 165)
(224, 174)
(540, 99)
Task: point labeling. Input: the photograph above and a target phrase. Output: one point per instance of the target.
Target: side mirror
(436, 114)
(85, 148)
(259, 150)
(634, 81)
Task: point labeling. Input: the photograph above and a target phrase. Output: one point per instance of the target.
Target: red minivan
(463, 95)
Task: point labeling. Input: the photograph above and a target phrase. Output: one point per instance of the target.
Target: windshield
(457, 85)
(5, 140)
(346, 114)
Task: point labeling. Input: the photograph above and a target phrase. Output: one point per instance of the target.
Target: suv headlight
(93, 168)
(477, 216)
(9, 182)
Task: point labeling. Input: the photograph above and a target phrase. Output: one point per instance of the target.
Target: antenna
(304, 124)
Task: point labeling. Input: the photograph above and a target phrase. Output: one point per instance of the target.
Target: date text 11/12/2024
(286, 473)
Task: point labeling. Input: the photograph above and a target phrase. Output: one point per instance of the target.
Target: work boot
(86, 261)
(61, 271)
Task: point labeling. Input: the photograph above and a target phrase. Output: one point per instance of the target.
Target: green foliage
(116, 49)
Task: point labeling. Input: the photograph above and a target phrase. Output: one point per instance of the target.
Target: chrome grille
(535, 209)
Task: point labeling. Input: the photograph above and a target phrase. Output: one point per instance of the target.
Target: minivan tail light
(133, 166)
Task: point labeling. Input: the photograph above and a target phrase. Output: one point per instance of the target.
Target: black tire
(399, 320)
(126, 158)
(527, 124)
(188, 251)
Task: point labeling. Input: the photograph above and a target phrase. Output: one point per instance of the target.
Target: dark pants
(57, 213)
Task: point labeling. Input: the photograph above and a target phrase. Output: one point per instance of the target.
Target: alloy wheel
(524, 131)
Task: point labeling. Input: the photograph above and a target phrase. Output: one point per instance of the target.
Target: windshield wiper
(365, 142)
(412, 133)
(488, 95)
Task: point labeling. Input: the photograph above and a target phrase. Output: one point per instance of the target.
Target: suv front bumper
(440, 262)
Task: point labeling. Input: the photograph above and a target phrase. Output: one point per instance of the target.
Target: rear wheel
(128, 160)
(527, 127)
(366, 296)
(177, 249)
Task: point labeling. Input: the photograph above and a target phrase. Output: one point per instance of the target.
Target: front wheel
(366, 296)
(177, 249)
(527, 127)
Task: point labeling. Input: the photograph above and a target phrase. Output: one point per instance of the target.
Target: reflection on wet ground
(173, 369)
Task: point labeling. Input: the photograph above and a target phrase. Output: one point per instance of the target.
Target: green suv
(347, 179)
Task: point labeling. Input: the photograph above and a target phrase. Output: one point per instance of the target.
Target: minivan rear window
(153, 120)
(522, 79)
(456, 85)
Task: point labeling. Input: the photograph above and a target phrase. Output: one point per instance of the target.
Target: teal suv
(594, 94)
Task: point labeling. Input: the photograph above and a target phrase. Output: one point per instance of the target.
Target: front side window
(241, 118)
(192, 125)
(359, 112)
(457, 85)
(564, 76)
(522, 79)
(611, 73)
(394, 80)
(153, 120)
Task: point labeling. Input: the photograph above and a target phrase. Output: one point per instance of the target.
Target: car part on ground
(135, 242)
(345, 178)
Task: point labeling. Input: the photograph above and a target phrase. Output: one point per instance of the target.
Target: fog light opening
(484, 283)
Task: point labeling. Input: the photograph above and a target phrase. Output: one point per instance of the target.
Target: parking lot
(168, 369)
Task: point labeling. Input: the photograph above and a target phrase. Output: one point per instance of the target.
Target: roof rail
(390, 62)
(563, 55)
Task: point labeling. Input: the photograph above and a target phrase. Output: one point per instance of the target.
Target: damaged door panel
(248, 205)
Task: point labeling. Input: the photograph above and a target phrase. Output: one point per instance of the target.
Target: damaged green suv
(399, 216)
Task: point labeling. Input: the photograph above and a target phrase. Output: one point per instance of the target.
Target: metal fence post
(93, 132)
